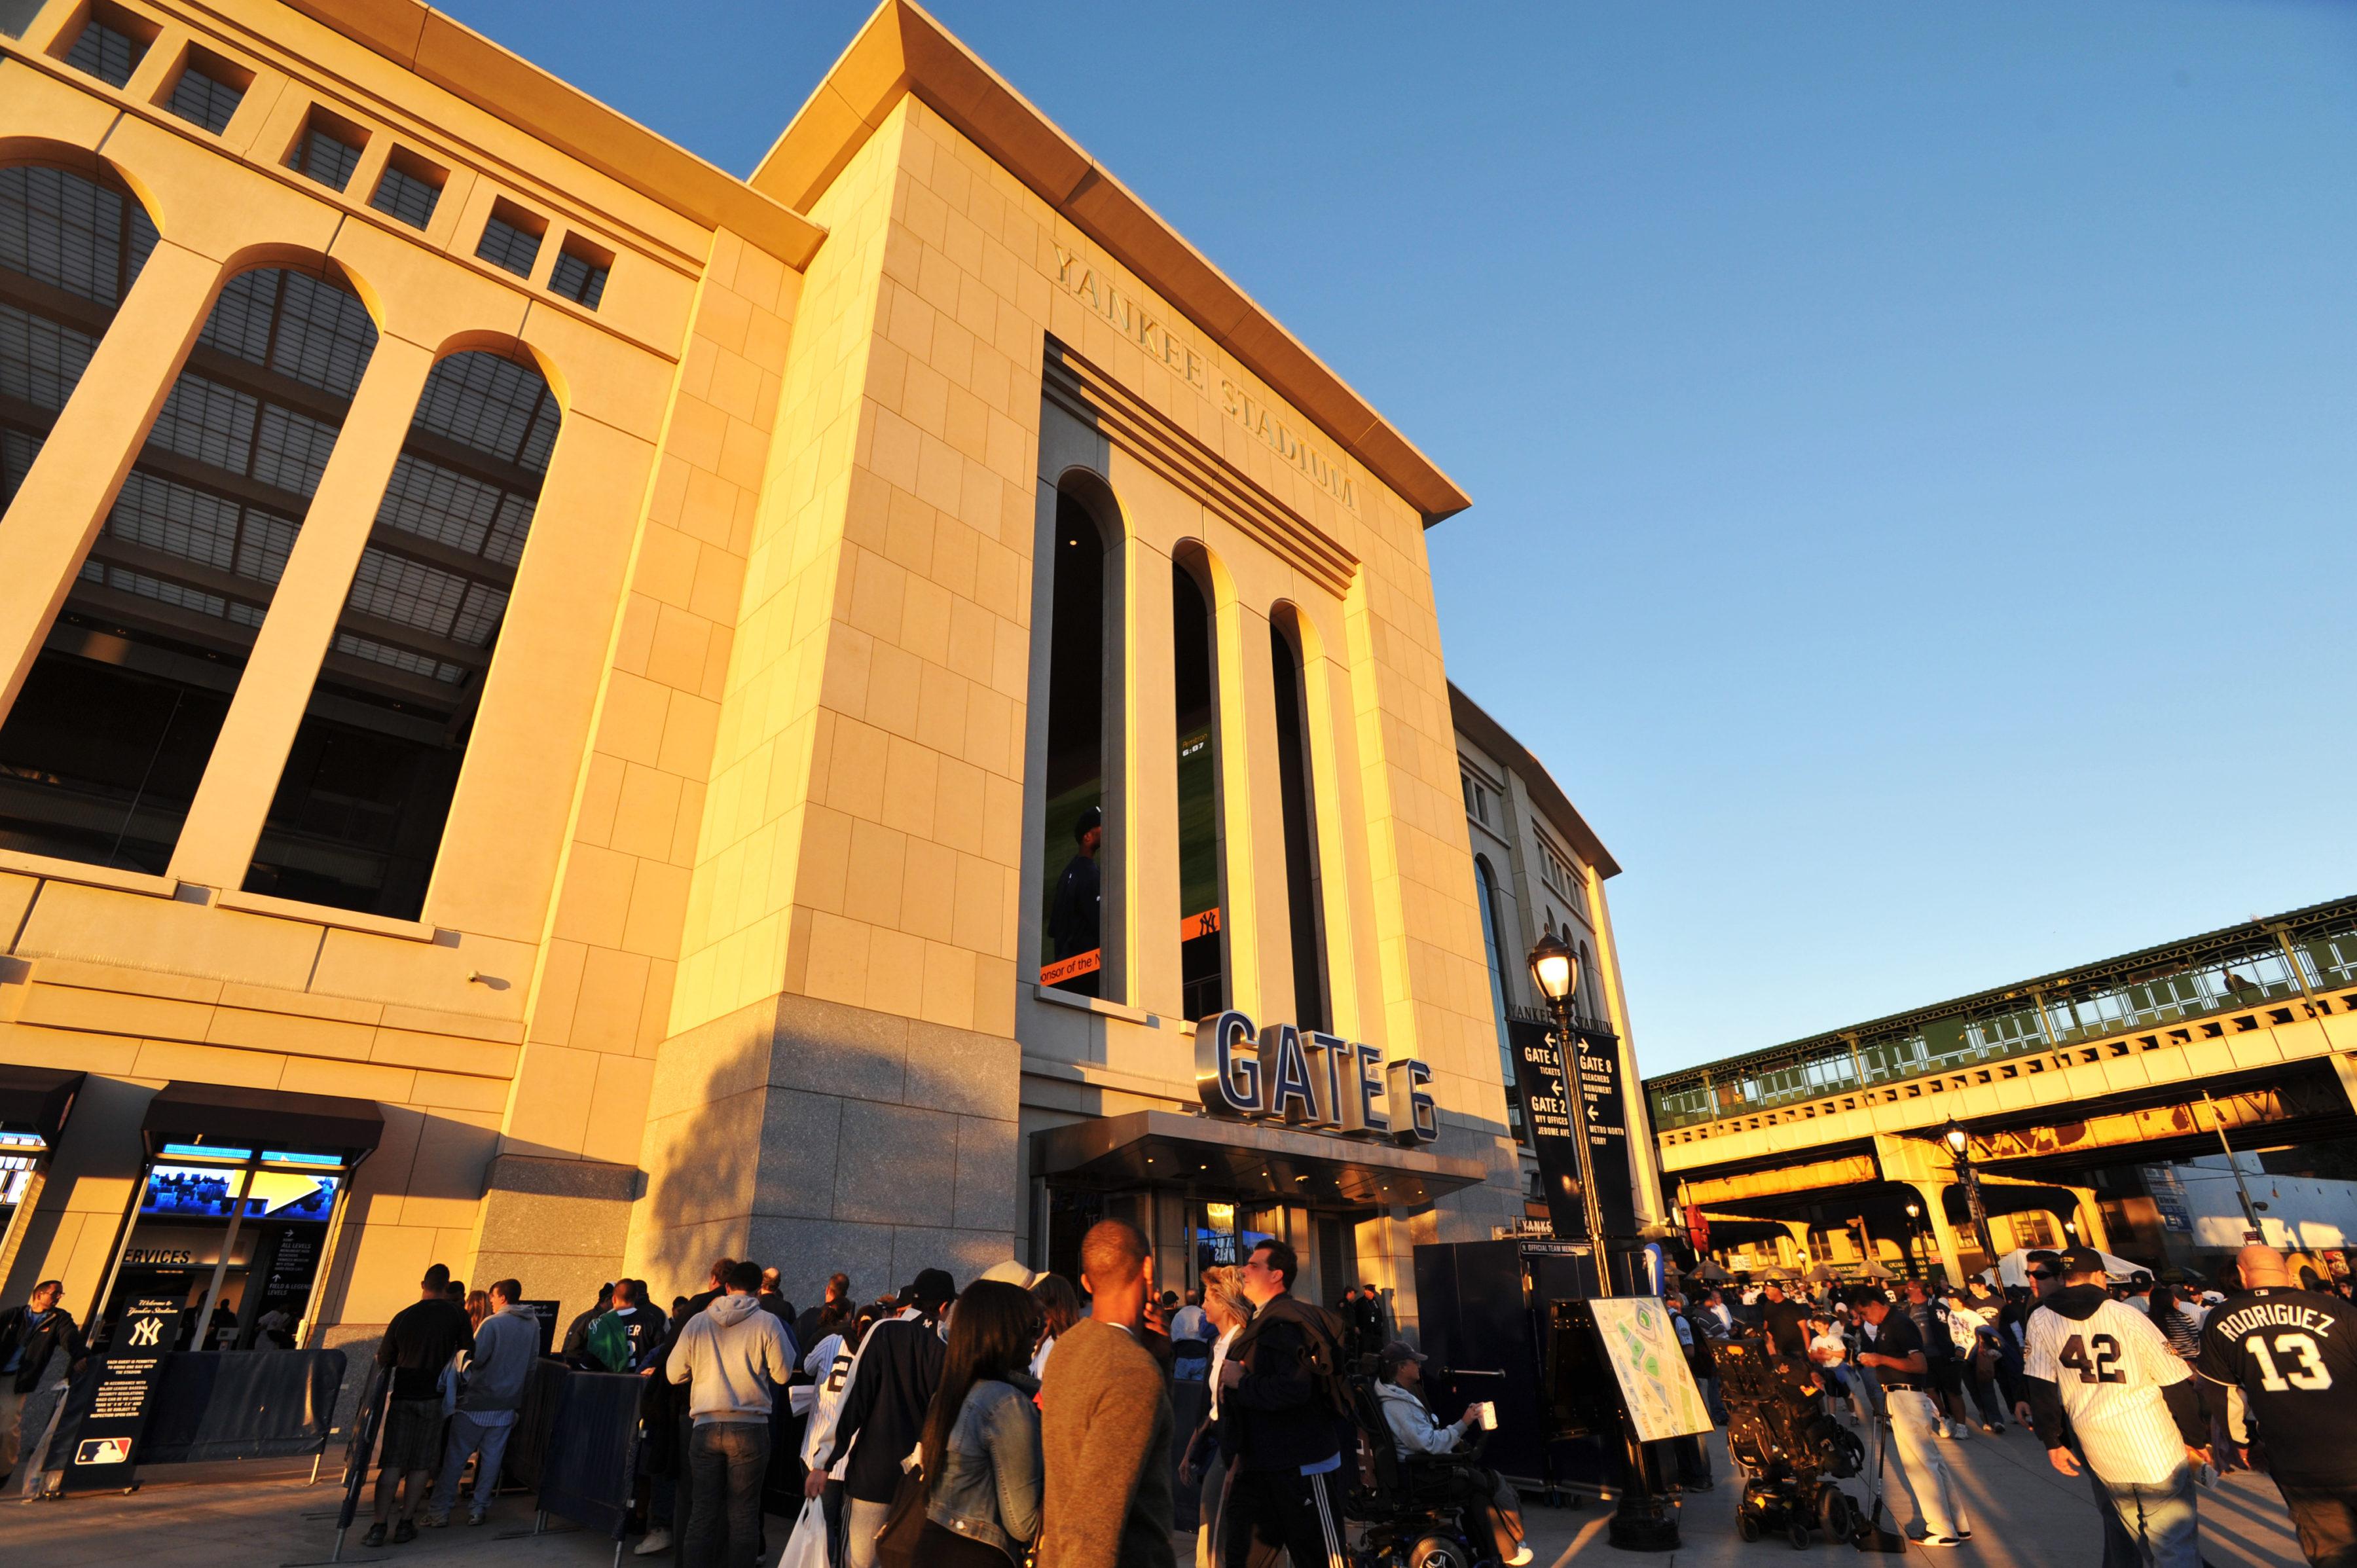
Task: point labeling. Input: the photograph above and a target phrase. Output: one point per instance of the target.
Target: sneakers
(403, 1533)
(375, 1536)
(435, 1521)
(656, 1540)
(1523, 1555)
(1943, 1540)
(478, 1519)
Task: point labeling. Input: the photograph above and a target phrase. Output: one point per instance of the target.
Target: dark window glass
(1202, 957)
(358, 817)
(1071, 900)
(505, 245)
(16, 16)
(325, 157)
(102, 754)
(578, 278)
(1493, 926)
(1300, 850)
(105, 53)
(405, 197)
(202, 99)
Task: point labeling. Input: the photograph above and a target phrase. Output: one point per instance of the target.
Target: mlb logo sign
(104, 1451)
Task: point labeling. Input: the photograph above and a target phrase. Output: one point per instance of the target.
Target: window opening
(328, 150)
(510, 239)
(109, 47)
(1493, 926)
(580, 272)
(1301, 888)
(408, 190)
(208, 91)
(1202, 963)
(101, 755)
(358, 817)
(1072, 952)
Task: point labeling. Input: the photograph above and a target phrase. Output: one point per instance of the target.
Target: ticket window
(238, 1235)
(21, 1154)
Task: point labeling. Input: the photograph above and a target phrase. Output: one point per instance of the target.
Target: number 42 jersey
(2110, 1364)
(2294, 1355)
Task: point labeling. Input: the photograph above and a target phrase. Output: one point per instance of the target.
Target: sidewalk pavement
(227, 1516)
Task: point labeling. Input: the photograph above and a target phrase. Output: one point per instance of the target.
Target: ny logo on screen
(146, 1330)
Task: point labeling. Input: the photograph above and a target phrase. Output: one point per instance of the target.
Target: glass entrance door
(237, 1235)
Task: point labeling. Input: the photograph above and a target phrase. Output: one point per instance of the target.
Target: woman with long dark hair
(1060, 1308)
(982, 1470)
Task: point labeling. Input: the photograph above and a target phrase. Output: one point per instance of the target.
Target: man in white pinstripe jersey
(2131, 1405)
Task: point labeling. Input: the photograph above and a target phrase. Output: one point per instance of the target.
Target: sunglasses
(2040, 1274)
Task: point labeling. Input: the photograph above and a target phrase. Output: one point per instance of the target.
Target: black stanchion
(356, 1459)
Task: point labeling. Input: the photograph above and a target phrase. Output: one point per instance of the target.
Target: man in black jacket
(28, 1337)
(1284, 1418)
(892, 1381)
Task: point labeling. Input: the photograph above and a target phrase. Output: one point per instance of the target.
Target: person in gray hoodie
(732, 1355)
(505, 1347)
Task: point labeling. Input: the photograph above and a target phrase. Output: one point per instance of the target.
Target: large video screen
(208, 1192)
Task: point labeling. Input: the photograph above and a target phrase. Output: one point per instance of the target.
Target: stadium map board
(1642, 1343)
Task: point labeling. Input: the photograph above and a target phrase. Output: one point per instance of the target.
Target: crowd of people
(2146, 1389)
(1023, 1417)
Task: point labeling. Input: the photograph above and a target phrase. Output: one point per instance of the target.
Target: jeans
(861, 1524)
(726, 1461)
(468, 1436)
(1923, 1470)
(2159, 1514)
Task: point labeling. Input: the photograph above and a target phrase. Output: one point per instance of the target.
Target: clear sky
(1912, 447)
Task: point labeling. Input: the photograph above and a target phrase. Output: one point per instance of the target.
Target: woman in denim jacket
(982, 1435)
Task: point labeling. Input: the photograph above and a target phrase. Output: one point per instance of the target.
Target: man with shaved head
(2292, 1355)
(1104, 1419)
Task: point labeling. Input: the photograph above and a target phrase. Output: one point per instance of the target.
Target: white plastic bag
(806, 1548)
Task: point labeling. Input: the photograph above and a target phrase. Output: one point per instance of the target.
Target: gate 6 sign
(1317, 1081)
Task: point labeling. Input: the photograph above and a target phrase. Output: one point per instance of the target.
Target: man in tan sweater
(1104, 1427)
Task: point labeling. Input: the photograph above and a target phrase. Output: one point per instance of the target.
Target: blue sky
(1913, 447)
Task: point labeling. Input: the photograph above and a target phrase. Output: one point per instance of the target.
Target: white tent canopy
(2013, 1269)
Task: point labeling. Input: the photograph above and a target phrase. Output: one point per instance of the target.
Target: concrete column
(1258, 982)
(72, 483)
(1942, 1233)
(1152, 845)
(2090, 1216)
(225, 820)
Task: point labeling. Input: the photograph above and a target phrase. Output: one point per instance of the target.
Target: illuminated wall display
(1315, 1081)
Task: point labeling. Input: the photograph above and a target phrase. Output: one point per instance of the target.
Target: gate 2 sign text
(1312, 1080)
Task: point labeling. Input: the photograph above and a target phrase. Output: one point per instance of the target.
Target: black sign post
(1540, 1078)
(106, 1412)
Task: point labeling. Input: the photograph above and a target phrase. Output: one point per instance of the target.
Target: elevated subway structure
(2251, 1030)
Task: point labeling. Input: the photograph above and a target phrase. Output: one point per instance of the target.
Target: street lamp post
(1959, 1144)
(1643, 1521)
(1914, 1212)
(1555, 970)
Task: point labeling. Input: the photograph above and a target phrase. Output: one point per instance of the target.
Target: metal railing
(2292, 955)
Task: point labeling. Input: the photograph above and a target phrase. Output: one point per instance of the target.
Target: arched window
(1591, 987)
(1493, 927)
(70, 244)
(1073, 926)
(1202, 956)
(101, 756)
(358, 816)
(1301, 886)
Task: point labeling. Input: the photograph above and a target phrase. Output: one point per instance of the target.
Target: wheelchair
(1426, 1511)
(1792, 1454)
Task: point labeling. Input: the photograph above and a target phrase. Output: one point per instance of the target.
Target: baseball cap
(2081, 1261)
(1399, 1350)
(1012, 1273)
(930, 1288)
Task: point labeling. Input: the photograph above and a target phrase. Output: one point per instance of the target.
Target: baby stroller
(1791, 1451)
(1425, 1512)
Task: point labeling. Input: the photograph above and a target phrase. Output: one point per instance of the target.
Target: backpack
(609, 1343)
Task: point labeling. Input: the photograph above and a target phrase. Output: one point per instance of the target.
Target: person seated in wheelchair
(1416, 1431)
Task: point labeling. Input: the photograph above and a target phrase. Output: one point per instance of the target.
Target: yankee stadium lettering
(1315, 1081)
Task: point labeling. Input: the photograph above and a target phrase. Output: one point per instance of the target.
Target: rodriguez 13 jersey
(2294, 1355)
